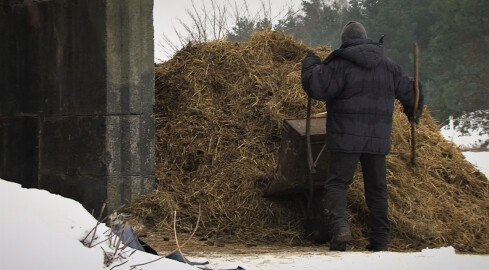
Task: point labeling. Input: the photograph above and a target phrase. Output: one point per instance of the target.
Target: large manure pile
(219, 111)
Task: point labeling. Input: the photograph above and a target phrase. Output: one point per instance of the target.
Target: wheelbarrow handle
(310, 159)
(415, 107)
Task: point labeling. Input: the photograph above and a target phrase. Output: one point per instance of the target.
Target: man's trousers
(340, 175)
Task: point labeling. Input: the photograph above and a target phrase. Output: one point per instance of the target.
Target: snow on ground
(429, 259)
(480, 160)
(40, 230)
(469, 131)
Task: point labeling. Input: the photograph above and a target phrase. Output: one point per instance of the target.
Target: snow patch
(469, 131)
(40, 230)
(480, 160)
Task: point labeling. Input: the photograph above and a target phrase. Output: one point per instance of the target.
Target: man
(359, 85)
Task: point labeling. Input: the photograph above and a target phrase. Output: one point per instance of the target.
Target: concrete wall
(76, 97)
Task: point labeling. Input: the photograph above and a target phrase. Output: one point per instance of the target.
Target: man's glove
(311, 60)
(310, 53)
(415, 118)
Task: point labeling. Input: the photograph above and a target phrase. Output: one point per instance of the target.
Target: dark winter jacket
(359, 85)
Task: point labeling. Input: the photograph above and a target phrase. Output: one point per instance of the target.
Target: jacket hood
(363, 52)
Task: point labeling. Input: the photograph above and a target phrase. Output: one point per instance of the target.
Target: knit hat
(353, 30)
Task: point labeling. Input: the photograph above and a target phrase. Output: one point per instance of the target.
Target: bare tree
(214, 20)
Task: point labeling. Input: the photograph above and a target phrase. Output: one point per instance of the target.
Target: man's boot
(377, 244)
(341, 237)
(377, 247)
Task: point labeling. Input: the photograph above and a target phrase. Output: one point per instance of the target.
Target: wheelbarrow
(301, 171)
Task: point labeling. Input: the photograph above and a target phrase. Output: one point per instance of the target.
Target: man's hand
(414, 119)
(310, 53)
(311, 60)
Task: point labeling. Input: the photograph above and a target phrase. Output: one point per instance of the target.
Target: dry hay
(219, 111)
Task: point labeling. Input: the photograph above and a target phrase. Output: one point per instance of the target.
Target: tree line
(452, 35)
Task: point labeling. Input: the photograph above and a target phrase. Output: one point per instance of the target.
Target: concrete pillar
(80, 89)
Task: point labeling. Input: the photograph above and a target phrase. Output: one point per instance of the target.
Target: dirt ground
(198, 247)
(222, 255)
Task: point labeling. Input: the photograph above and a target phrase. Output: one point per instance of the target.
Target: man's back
(359, 85)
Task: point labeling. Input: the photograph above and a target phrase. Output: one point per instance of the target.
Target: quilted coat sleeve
(321, 81)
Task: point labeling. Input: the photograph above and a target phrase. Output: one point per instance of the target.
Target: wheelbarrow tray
(292, 173)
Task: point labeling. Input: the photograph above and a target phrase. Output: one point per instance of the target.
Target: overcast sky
(167, 13)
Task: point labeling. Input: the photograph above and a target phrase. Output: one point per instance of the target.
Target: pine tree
(242, 31)
(403, 22)
(459, 53)
(321, 23)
